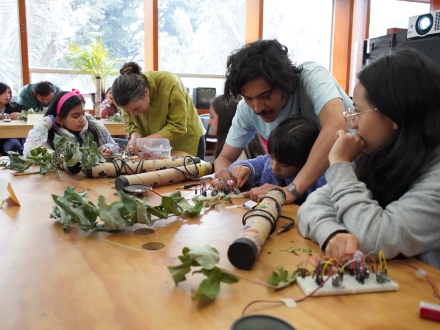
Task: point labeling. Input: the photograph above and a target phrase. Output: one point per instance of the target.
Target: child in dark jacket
(288, 147)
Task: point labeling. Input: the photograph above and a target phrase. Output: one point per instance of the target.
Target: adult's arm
(331, 120)
(317, 217)
(130, 126)
(227, 156)
(409, 225)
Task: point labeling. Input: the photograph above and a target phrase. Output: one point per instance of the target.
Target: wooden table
(50, 279)
(20, 129)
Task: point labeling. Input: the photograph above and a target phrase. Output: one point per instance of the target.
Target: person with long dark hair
(220, 120)
(9, 110)
(156, 104)
(66, 116)
(389, 197)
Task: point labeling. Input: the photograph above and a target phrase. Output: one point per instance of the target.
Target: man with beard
(274, 89)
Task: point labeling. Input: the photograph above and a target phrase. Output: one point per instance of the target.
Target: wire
(422, 273)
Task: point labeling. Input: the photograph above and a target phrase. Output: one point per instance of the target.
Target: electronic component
(429, 311)
(350, 286)
(250, 204)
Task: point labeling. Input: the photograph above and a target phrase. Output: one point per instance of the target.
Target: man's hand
(341, 244)
(346, 148)
(241, 174)
(223, 174)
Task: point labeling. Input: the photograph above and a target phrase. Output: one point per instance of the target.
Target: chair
(209, 138)
(121, 142)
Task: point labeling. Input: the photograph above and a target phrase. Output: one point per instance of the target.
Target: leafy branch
(24, 113)
(67, 153)
(116, 117)
(73, 207)
(205, 257)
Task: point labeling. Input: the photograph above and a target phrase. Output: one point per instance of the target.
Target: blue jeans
(11, 145)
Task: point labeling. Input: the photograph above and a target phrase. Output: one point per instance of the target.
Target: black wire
(187, 172)
(272, 220)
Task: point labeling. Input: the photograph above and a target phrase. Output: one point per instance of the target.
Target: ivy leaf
(209, 287)
(282, 279)
(142, 215)
(77, 213)
(206, 256)
(75, 156)
(110, 215)
(166, 205)
(179, 272)
(225, 278)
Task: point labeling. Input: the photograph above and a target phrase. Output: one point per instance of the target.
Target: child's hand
(104, 150)
(14, 115)
(241, 174)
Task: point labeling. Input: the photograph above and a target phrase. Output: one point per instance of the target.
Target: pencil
(26, 173)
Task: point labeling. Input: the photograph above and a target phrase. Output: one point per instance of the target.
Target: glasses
(348, 115)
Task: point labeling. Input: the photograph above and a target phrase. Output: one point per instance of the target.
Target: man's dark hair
(263, 58)
(43, 88)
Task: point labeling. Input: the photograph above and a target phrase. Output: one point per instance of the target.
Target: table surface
(50, 279)
(20, 129)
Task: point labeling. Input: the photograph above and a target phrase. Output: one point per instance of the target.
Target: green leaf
(110, 215)
(76, 213)
(281, 279)
(179, 272)
(205, 255)
(209, 287)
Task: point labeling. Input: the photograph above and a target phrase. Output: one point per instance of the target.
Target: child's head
(221, 114)
(5, 94)
(68, 110)
(108, 93)
(289, 146)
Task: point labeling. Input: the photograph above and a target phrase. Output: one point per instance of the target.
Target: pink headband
(67, 96)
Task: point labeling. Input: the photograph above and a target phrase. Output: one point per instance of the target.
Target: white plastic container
(154, 148)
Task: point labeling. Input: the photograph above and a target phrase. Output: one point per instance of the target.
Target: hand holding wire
(241, 174)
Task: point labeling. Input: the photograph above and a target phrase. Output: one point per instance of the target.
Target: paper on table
(6, 186)
(32, 118)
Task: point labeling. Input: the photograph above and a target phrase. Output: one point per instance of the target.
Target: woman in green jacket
(156, 104)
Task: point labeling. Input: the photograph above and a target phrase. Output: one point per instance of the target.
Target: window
(197, 36)
(305, 27)
(10, 59)
(53, 25)
(386, 14)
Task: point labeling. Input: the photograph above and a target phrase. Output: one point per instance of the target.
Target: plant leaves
(209, 287)
(205, 256)
(110, 215)
(282, 279)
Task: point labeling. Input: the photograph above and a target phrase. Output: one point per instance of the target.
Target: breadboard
(351, 286)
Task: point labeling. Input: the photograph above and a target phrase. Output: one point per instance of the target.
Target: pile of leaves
(116, 117)
(75, 207)
(67, 153)
(24, 113)
(204, 257)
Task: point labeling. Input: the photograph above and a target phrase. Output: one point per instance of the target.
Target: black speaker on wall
(202, 97)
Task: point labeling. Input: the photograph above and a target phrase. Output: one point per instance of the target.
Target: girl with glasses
(383, 190)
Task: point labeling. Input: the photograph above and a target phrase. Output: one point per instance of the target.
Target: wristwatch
(292, 189)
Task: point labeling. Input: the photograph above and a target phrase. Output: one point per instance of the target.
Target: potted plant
(93, 59)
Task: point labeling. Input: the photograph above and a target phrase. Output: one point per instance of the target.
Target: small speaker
(202, 97)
